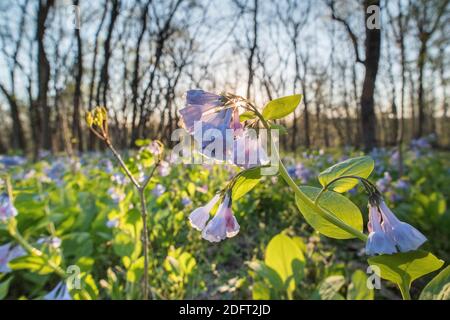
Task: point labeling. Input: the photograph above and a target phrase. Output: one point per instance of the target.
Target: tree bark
(76, 121)
(43, 68)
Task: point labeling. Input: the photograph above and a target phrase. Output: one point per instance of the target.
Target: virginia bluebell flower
(378, 241)
(186, 201)
(158, 190)
(164, 168)
(207, 117)
(9, 252)
(112, 223)
(223, 225)
(116, 194)
(53, 242)
(7, 209)
(384, 183)
(155, 148)
(200, 216)
(119, 178)
(388, 234)
(406, 237)
(60, 292)
(198, 104)
(9, 161)
(248, 152)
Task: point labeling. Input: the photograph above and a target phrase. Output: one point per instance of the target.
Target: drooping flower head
(378, 241)
(9, 252)
(406, 237)
(387, 233)
(200, 216)
(60, 292)
(214, 122)
(7, 209)
(223, 225)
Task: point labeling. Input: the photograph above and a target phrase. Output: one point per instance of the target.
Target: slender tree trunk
(251, 70)
(92, 138)
(421, 125)
(103, 83)
(17, 134)
(76, 121)
(43, 68)
(372, 49)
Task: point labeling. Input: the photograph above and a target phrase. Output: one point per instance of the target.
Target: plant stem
(144, 241)
(35, 252)
(122, 164)
(405, 292)
(141, 191)
(325, 214)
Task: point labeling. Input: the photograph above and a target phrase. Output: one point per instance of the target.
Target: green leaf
(246, 182)
(123, 244)
(267, 274)
(36, 264)
(4, 287)
(77, 244)
(136, 270)
(405, 267)
(247, 115)
(281, 252)
(260, 291)
(358, 290)
(281, 107)
(329, 289)
(438, 288)
(334, 203)
(360, 166)
(142, 142)
(279, 127)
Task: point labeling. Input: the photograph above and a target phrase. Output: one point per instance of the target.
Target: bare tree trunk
(372, 50)
(251, 71)
(76, 121)
(92, 138)
(103, 83)
(136, 73)
(43, 68)
(421, 99)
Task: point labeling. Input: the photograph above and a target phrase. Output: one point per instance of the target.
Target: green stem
(405, 292)
(323, 213)
(35, 252)
(326, 215)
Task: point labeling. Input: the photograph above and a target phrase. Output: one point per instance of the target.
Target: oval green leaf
(281, 107)
(405, 267)
(329, 289)
(360, 166)
(358, 289)
(438, 288)
(281, 252)
(246, 182)
(335, 204)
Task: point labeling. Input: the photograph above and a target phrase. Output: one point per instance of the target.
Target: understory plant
(392, 246)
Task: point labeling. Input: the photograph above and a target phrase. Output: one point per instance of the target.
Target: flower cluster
(223, 225)
(214, 120)
(388, 234)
